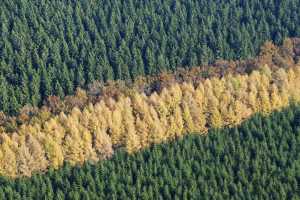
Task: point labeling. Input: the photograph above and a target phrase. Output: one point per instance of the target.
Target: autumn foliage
(135, 120)
(90, 125)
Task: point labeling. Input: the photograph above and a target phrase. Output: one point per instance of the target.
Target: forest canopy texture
(256, 160)
(149, 99)
(53, 47)
(136, 121)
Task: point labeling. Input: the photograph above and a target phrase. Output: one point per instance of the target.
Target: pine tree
(58, 90)
(117, 127)
(275, 98)
(132, 139)
(8, 160)
(157, 132)
(79, 77)
(24, 160)
(102, 144)
(35, 89)
(45, 84)
(143, 132)
(54, 153)
(73, 144)
(215, 118)
(4, 104)
(149, 60)
(178, 121)
(265, 104)
(252, 97)
(187, 118)
(214, 115)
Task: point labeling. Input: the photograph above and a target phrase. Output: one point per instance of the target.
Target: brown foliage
(89, 125)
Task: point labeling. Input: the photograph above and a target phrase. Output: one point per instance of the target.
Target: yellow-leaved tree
(143, 119)
(8, 162)
(214, 116)
(265, 104)
(116, 125)
(188, 101)
(276, 102)
(133, 120)
(132, 140)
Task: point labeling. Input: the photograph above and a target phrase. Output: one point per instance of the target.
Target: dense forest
(149, 99)
(275, 57)
(135, 120)
(256, 160)
(53, 47)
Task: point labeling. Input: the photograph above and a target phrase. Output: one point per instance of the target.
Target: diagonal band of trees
(135, 121)
(258, 159)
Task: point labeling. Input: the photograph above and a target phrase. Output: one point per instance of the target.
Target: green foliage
(52, 47)
(257, 160)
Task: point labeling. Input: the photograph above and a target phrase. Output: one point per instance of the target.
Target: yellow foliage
(142, 129)
(187, 118)
(276, 102)
(136, 121)
(116, 129)
(102, 144)
(265, 104)
(215, 118)
(253, 98)
(54, 153)
(132, 142)
(156, 129)
(8, 164)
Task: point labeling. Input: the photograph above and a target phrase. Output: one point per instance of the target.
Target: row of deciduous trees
(256, 160)
(135, 121)
(284, 56)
